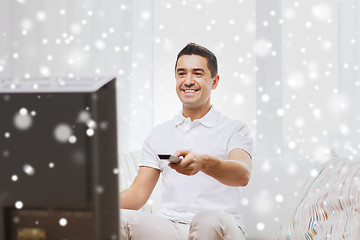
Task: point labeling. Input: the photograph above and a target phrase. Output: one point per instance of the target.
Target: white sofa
(272, 199)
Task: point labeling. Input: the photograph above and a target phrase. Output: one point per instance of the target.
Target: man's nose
(189, 80)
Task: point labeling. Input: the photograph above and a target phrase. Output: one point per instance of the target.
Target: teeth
(189, 91)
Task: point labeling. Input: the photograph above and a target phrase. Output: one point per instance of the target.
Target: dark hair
(195, 49)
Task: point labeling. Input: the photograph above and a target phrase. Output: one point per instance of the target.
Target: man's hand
(191, 164)
(234, 171)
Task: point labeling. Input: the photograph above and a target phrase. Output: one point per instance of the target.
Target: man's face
(194, 82)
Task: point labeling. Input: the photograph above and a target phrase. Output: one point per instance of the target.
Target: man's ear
(215, 82)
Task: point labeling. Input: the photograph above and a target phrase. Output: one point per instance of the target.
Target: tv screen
(58, 159)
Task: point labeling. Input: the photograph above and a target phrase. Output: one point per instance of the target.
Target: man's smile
(190, 90)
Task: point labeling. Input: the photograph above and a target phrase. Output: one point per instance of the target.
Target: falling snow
(62, 132)
(14, 178)
(28, 169)
(314, 99)
(19, 205)
(63, 222)
(23, 120)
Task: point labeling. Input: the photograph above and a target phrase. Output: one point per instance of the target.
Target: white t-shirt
(184, 196)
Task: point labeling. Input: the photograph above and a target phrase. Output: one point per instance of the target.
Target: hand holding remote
(191, 163)
(170, 158)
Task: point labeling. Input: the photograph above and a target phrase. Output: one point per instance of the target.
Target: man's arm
(139, 192)
(234, 171)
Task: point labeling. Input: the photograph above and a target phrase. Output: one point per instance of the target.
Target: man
(200, 194)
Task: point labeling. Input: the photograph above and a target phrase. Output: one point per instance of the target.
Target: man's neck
(195, 113)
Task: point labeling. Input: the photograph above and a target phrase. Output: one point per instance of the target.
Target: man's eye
(198, 74)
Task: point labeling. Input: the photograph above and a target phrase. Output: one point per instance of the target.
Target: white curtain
(76, 38)
(288, 69)
(292, 96)
(310, 73)
(348, 138)
(307, 92)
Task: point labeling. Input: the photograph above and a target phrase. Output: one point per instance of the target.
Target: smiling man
(200, 194)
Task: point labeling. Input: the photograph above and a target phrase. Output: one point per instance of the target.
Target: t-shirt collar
(208, 120)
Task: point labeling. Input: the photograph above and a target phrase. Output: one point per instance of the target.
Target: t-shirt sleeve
(149, 157)
(241, 138)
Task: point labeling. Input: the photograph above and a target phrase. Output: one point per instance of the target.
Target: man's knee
(214, 225)
(207, 219)
(207, 225)
(139, 225)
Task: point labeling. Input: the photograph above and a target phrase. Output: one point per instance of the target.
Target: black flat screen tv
(58, 159)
